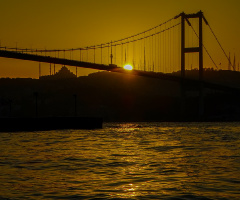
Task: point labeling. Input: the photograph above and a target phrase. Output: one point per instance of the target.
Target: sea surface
(123, 161)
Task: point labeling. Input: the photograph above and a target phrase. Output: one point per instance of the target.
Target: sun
(128, 67)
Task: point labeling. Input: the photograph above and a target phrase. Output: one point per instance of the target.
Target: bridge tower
(199, 50)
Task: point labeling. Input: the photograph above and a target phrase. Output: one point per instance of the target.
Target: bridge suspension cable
(219, 44)
(103, 45)
(216, 38)
(156, 49)
(204, 46)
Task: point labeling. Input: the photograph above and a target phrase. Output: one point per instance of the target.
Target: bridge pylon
(199, 49)
(184, 50)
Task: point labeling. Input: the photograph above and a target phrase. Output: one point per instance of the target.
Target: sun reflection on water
(146, 169)
(127, 128)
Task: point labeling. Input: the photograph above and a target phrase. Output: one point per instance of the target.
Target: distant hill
(224, 77)
(118, 97)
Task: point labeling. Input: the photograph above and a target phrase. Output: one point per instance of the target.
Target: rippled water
(123, 160)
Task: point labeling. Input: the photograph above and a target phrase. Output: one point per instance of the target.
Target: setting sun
(128, 67)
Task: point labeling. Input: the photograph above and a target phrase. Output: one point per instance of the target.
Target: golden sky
(78, 23)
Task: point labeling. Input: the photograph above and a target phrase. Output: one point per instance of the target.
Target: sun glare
(128, 67)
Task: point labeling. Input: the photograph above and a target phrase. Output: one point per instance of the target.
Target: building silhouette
(63, 73)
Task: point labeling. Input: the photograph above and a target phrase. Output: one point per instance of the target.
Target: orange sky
(78, 23)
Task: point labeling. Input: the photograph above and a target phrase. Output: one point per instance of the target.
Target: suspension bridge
(155, 53)
(175, 45)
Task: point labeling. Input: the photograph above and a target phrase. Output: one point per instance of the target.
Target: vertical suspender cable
(164, 50)
(94, 53)
(125, 55)
(122, 53)
(87, 54)
(115, 54)
(80, 52)
(160, 51)
(133, 53)
(156, 37)
(108, 54)
(152, 56)
(144, 54)
(39, 70)
(101, 54)
(127, 59)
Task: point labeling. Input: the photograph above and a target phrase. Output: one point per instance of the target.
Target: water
(123, 161)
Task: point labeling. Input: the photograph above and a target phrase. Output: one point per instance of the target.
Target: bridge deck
(113, 68)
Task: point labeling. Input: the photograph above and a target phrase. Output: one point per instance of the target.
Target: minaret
(229, 62)
(111, 56)
(39, 69)
(234, 63)
(144, 65)
(125, 56)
